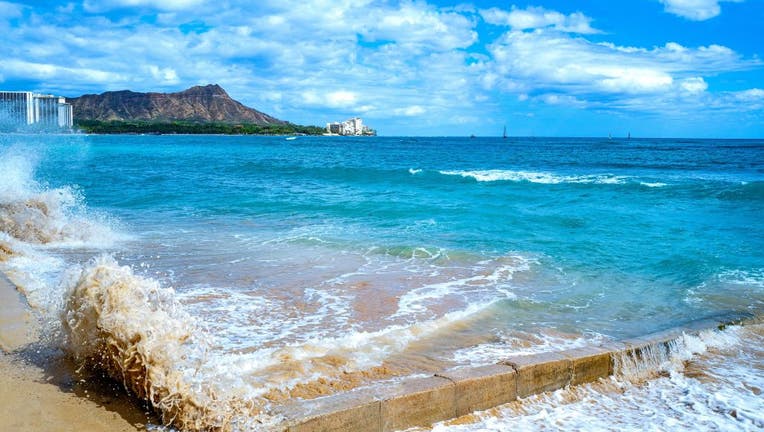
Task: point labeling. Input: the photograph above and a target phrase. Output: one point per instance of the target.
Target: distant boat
(472, 136)
(504, 135)
(291, 138)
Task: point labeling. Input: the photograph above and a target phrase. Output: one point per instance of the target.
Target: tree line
(189, 127)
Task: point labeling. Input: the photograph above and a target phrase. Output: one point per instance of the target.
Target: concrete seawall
(423, 401)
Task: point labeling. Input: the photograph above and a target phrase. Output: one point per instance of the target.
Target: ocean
(239, 272)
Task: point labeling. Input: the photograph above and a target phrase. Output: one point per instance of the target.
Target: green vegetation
(188, 127)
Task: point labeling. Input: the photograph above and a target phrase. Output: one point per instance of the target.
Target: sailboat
(504, 135)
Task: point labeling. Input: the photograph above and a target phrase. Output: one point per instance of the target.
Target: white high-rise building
(24, 110)
(354, 126)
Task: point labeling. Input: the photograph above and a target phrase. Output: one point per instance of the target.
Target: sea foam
(32, 213)
(535, 177)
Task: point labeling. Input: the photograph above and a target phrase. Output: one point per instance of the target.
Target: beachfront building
(353, 126)
(20, 110)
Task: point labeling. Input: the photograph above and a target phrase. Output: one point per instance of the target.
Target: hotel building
(20, 110)
(353, 126)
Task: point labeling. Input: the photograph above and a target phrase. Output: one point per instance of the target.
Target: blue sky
(660, 68)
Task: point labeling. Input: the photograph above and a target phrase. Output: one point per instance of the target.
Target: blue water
(273, 242)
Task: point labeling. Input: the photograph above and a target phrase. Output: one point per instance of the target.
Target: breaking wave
(136, 331)
(32, 213)
(536, 177)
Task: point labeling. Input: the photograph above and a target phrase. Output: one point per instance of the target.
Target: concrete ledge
(453, 393)
(539, 373)
(589, 364)
(417, 402)
(484, 387)
(353, 411)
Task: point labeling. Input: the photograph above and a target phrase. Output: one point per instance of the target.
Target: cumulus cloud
(694, 85)
(313, 61)
(696, 10)
(341, 99)
(45, 71)
(538, 17)
(542, 62)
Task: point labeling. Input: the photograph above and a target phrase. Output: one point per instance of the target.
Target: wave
(742, 191)
(753, 278)
(524, 343)
(653, 184)
(32, 213)
(492, 282)
(135, 330)
(536, 177)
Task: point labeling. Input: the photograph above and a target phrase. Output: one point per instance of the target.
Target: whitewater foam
(492, 280)
(32, 213)
(753, 278)
(523, 343)
(535, 177)
(653, 184)
(712, 381)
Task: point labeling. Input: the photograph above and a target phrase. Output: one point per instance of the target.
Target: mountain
(202, 104)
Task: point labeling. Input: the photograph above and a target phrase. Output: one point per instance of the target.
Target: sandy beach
(42, 394)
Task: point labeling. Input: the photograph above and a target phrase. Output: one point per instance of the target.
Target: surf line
(413, 402)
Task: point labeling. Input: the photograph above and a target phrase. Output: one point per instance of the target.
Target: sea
(231, 274)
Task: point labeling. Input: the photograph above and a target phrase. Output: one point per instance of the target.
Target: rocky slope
(208, 103)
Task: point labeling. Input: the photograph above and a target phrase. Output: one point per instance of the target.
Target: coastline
(41, 394)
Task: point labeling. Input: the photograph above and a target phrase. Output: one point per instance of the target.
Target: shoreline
(41, 391)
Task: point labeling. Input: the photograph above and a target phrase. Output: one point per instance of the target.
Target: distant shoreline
(138, 127)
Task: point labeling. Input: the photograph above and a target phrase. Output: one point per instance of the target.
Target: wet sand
(17, 324)
(40, 394)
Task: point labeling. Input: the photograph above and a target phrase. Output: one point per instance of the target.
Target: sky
(649, 68)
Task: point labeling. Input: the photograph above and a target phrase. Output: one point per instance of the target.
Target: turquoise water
(408, 251)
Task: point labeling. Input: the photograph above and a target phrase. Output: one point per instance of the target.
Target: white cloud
(44, 71)
(414, 23)
(164, 75)
(542, 62)
(538, 17)
(341, 99)
(694, 85)
(562, 99)
(696, 10)
(314, 61)
(754, 94)
(410, 111)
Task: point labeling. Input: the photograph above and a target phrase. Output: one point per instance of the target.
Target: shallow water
(272, 267)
